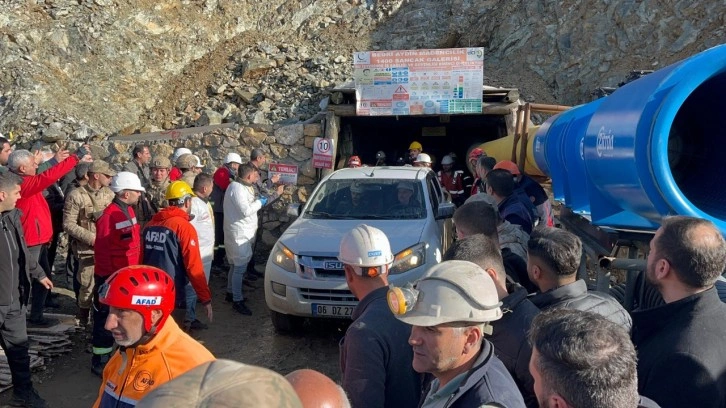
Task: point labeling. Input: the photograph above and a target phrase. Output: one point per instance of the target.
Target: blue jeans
(234, 281)
(191, 295)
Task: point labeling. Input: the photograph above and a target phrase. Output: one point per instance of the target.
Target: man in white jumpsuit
(240, 226)
(203, 222)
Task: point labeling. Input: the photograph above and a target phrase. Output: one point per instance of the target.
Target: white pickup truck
(303, 276)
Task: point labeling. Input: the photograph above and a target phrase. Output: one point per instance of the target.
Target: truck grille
(330, 295)
(319, 267)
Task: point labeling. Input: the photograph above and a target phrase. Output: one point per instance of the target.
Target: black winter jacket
(16, 265)
(576, 296)
(681, 352)
(509, 338)
(488, 382)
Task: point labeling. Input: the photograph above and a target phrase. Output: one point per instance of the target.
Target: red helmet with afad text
(141, 288)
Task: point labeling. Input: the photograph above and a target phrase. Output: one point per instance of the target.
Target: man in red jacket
(36, 219)
(118, 244)
(171, 243)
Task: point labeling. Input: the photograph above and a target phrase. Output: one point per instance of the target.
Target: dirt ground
(67, 381)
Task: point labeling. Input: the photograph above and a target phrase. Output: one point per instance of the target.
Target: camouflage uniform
(157, 194)
(82, 207)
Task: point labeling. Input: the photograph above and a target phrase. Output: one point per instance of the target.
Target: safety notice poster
(418, 82)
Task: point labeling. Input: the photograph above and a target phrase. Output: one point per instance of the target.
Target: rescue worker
(354, 162)
(224, 175)
(83, 206)
(171, 243)
(512, 207)
(139, 164)
(450, 308)
(16, 277)
(175, 174)
(509, 334)
(469, 181)
(316, 390)
(35, 216)
(422, 160)
(406, 204)
(380, 158)
(375, 358)
(452, 180)
(484, 165)
(532, 189)
(413, 151)
(118, 244)
(263, 188)
(156, 194)
(196, 169)
(153, 350)
(240, 228)
(203, 222)
(186, 164)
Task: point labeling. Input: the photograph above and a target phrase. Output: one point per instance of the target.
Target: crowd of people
(502, 321)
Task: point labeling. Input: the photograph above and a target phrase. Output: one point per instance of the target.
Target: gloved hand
(263, 200)
(82, 151)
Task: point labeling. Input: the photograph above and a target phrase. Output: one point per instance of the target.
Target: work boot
(228, 297)
(240, 307)
(83, 317)
(197, 325)
(98, 363)
(41, 323)
(27, 398)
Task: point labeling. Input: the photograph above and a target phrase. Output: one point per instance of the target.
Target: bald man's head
(316, 390)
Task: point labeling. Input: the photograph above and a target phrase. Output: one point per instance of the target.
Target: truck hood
(311, 237)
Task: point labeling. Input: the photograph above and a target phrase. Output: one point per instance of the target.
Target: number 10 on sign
(323, 153)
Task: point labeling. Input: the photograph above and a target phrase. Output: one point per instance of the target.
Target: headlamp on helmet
(402, 299)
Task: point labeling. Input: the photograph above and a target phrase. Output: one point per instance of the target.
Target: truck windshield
(368, 199)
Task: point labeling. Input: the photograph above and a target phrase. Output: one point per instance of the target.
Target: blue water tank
(652, 148)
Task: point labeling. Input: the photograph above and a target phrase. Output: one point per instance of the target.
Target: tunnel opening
(439, 135)
(696, 146)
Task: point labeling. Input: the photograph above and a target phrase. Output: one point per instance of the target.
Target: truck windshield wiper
(325, 215)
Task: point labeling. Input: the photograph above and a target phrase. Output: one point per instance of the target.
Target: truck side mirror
(293, 210)
(446, 210)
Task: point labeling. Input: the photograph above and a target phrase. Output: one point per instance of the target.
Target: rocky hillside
(83, 67)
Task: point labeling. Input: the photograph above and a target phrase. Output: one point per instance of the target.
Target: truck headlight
(283, 257)
(409, 258)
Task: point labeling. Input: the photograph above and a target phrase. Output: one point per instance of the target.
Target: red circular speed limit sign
(324, 146)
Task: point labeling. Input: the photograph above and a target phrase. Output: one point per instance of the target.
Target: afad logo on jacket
(143, 380)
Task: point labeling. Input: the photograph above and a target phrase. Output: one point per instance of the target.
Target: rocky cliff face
(79, 67)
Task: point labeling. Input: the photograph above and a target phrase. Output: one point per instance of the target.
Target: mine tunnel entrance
(365, 135)
(696, 146)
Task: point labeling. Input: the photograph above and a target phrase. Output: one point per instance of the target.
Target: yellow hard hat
(415, 145)
(178, 190)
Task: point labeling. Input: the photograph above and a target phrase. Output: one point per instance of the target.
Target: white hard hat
(199, 162)
(423, 158)
(447, 160)
(365, 246)
(233, 158)
(178, 152)
(452, 291)
(126, 181)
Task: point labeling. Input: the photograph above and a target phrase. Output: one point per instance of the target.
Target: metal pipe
(610, 262)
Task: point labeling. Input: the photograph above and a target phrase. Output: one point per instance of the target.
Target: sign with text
(287, 172)
(323, 153)
(418, 82)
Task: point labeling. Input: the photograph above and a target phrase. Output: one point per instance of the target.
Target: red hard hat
(354, 161)
(509, 166)
(141, 288)
(476, 153)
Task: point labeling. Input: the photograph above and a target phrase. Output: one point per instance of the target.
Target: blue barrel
(655, 147)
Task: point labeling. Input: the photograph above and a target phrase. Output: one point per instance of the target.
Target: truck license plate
(332, 310)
